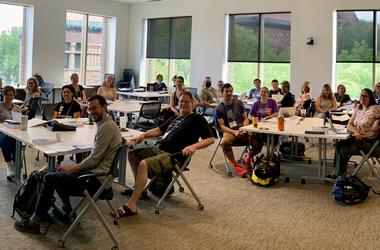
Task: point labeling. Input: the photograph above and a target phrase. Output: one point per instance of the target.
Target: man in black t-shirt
(179, 134)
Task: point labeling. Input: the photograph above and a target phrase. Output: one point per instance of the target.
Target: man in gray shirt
(65, 180)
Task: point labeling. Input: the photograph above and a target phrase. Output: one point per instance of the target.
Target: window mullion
(83, 65)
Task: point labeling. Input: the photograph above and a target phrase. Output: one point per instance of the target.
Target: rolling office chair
(47, 92)
(148, 115)
(89, 201)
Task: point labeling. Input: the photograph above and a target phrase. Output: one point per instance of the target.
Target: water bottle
(255, 120)
(132, 85)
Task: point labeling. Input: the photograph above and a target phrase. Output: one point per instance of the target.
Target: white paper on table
(35, 122)
(277, 98)
(61, 147)
(341, 118)
(82, 146)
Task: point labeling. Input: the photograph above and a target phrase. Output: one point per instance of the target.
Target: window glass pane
(347, 74)
(241, 76)
(77, 62)
(354, 36)
(12, 40)
(96, 48)
(158, 38)
(180, 42)
(279, 71)
(78, 47)
(66, 63)
(67, 46)
(276, 37)
(182, 68)
(155, 67)
(74, 34)
(378, 72)
(243, 38)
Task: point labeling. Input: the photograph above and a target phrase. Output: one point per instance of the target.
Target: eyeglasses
(364, 96)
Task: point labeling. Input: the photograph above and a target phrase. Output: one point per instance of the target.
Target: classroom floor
(237, 215)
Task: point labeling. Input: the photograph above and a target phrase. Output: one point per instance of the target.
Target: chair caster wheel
(157, 211)
(200, 207)
(61, 243)
(181, 189)
(287, 179)
(210, 166)
(229, 174)
(116, 221)
(303, 181)
(115, 248)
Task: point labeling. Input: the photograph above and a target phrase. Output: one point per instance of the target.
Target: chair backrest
(115, 163)
(48, 111)
(47, 87)
(34, 107)
(150, 110)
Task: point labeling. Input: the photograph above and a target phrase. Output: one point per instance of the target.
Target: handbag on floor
(266, 170)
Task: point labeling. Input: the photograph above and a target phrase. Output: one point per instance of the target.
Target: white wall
(309, 18)
(49, 32)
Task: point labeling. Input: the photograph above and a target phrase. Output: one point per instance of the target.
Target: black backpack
(350, 190)
(266, 170)
(27, 193)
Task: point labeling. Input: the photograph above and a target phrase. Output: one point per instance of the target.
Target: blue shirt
(230, 113)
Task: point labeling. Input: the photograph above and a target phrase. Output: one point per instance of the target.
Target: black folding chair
(374, 153)
(177, 172)
(89, 201)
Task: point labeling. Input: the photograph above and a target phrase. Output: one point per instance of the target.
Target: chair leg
(213, 155)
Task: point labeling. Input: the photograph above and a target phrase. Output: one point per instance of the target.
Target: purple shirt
(265, 109)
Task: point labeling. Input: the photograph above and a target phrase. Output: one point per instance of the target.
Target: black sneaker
(62, 215)
(129, 192)
(26, 227)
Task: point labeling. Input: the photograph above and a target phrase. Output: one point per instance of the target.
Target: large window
(168, 48)
(357, 49)
(14, 32)
(87, 47)
(258, 47)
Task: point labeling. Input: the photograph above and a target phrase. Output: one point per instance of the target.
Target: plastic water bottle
(132, 85)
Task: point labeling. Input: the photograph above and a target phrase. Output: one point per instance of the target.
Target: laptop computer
(337, 130)
(287, 112)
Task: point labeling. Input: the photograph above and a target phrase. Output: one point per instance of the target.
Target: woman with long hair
(325, 102)
(174, 97)
(108, 90)
(341, 95)
(80, 93)
(303, 98)
(32, 91)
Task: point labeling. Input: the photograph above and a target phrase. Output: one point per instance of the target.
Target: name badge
(233, 124)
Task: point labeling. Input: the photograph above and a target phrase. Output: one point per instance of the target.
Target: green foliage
(244, 45)
(10, 55)
(355, 77)
(358, 52)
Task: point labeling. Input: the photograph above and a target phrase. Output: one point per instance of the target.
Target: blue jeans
(8, 147)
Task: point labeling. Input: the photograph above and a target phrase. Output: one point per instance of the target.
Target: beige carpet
(237, 215)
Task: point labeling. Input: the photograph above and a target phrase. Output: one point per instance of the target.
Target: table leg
(122, 165)
(51, 163)
(18, 160)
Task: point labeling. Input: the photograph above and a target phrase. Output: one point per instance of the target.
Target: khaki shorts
(158, 161)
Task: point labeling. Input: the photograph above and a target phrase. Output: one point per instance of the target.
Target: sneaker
(240, 171)
(10, 171)
(25, 226)
(62, 214)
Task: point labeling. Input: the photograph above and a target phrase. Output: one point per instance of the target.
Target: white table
(71, 142)
(145, 95)
(125, 107)
(296, 127)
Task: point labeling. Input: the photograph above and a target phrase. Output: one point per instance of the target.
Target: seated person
(266, 107)
(254, 92)
(7, 143)
(275, 89)
(65, 181)
(231, 116)
(161, 86)
(341, 95)
(174, 97)
(80, 93)
(364, 129)
(218, 91)
(68, 108)
(32, 91)
(179, 133)
(376, 92)
(325, 102)
(108, 89)
(305, 97)
(208, 97)
(288, 99)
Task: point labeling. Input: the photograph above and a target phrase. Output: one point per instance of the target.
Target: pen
(300, 120)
